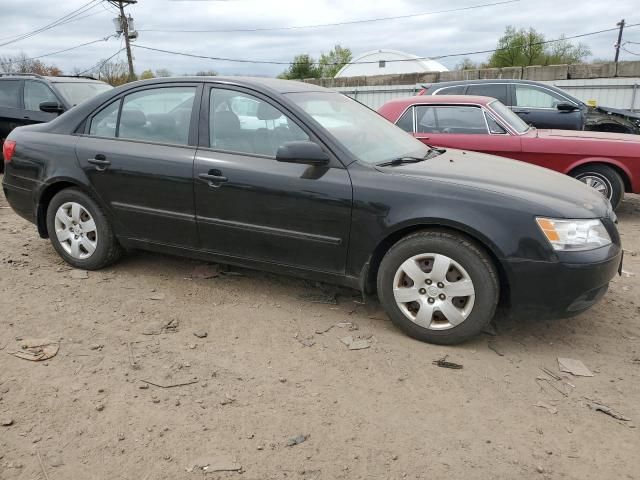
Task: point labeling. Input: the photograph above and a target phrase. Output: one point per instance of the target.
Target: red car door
(464, 127)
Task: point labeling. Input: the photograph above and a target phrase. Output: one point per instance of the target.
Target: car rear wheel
(80, 232)
(438, 287)
(604, 179)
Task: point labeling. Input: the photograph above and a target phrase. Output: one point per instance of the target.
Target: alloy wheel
(434, 291)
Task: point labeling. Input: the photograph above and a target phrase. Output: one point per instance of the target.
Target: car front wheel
(80, 232)
(604, 179)
(438, 287)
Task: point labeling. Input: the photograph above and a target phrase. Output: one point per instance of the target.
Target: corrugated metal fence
(621, 93)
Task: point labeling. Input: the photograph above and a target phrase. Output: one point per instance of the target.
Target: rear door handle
(100, 161)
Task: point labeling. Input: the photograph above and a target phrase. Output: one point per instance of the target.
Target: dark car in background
(543, 105)
(294, 178)
(29, 98)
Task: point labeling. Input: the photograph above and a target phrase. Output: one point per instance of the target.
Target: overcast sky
(428, 35)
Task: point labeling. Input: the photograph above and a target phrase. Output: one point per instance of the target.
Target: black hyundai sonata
(297, 179)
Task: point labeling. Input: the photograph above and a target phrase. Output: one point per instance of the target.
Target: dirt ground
(271, 369)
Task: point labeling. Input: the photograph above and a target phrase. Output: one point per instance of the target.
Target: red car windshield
(514, 121)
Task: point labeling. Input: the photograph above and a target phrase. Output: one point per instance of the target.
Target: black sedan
(297, 179)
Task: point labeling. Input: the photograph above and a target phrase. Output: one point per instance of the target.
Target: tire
(602, 176)
(467, 262)
(97, 246)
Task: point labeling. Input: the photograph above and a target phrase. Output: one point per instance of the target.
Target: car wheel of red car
(438, 287)
(604, 179)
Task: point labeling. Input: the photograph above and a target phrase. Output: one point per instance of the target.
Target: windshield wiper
(433, 152)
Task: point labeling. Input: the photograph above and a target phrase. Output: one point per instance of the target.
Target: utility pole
(124, 22)
(619, 44)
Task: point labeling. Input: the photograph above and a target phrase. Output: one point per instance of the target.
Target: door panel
(149, 187)
(249, 205)
(272, 211)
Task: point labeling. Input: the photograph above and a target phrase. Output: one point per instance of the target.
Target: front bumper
(573, 284)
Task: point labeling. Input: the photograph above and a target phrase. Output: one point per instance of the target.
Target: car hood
(549, 192)
(618, 111)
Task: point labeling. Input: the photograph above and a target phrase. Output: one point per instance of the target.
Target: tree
(206, 73)
(114, 73)
(303, 66)
(563, 51)
(147, 74)
(521, 48)
(331, 63)
(163, 72)
(21, 63)
(467, 64)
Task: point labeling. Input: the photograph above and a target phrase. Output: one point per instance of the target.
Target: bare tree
(21, 63)
(114, 73)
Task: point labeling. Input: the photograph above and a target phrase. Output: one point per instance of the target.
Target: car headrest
(161, 121)
(226, 124)
(267, 112)
(132, 118)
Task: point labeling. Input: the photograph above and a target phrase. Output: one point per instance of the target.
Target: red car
(609, 162)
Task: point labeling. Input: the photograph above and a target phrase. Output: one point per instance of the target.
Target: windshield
(78, 92)
(514, 121)
(367, 135)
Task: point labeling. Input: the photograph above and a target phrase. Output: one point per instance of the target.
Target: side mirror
(307, 153)
(51, 107)
(566, 107)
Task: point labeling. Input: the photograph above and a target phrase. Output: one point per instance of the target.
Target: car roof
(490, 80)
(454, 99)
(274, 84)
(49, 78)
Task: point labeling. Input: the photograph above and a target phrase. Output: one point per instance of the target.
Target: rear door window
(494, 90)
(10, 93)
(104, 123)
(35, 93)
(451, 119)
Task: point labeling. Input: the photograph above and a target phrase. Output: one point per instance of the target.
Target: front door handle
(214, 178)
(100, 161)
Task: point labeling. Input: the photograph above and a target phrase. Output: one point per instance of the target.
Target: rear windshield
(78, 92)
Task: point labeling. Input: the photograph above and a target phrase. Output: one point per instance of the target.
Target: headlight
(574, 235)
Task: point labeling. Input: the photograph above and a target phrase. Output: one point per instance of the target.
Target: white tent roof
(385, 62)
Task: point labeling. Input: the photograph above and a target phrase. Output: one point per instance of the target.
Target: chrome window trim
(435, 92)
(486, 114)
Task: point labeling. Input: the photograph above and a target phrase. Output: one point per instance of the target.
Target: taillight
(422, 92)
(8, 148)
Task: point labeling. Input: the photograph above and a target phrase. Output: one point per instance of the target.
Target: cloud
(433, 35)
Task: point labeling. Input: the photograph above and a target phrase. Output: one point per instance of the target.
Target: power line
(436, 57)
(69, 17)
(56, 52)
(629, 51)
(352, 22)
(99, 65)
